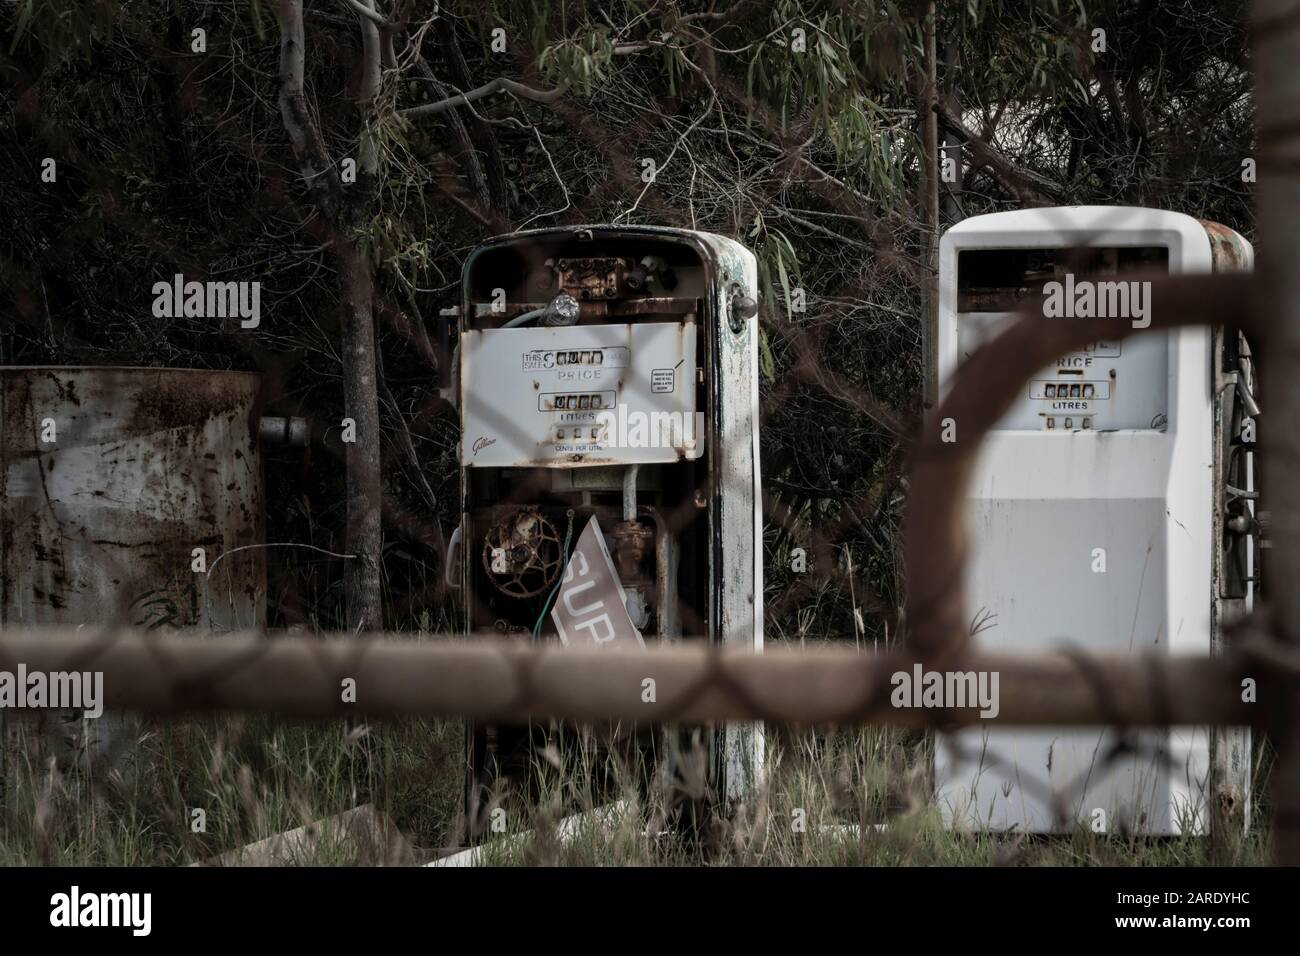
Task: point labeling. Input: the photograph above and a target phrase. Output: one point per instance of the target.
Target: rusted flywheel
(522, 554)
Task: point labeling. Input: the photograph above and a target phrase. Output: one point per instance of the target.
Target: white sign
(592, 609)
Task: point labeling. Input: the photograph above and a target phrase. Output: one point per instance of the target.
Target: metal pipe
(519, 320)
(560, 311)
(629, 491)
(294, 432)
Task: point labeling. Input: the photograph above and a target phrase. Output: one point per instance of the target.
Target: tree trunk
(342, 214)
(930, 218)
(362, 457)
(951, 142)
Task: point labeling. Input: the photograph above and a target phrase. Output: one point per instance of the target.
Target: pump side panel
(740, 577)
(1008, 777)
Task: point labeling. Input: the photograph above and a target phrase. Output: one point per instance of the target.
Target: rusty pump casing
(609, 373)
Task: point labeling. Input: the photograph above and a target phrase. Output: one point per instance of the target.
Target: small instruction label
(663, 380)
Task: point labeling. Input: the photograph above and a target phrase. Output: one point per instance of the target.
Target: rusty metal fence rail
(304, 677)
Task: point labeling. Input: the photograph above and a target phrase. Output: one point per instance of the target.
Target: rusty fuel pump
(607, 385)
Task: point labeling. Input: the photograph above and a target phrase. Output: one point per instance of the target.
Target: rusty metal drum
(130, 497)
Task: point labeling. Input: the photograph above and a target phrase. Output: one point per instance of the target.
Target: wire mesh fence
(697, 681)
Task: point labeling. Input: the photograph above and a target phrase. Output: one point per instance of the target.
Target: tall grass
(251, 778)
(845, 798)
(852, 797)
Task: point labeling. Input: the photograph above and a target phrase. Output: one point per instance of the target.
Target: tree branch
(308, 147)
(371, 54)
(1029, 187)
(500, 85)
(366, 12)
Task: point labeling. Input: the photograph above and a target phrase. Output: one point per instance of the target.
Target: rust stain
(170, 402)
(1226, 252)
(67, 388)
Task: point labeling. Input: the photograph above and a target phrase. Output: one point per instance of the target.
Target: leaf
(25, 13)
(766, 363)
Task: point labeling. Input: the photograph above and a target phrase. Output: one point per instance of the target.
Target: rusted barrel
(126, 494)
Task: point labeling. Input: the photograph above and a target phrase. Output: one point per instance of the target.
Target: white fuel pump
(1112, 510)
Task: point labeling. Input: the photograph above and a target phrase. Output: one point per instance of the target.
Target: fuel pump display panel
(580, 396)
(1107, 385)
